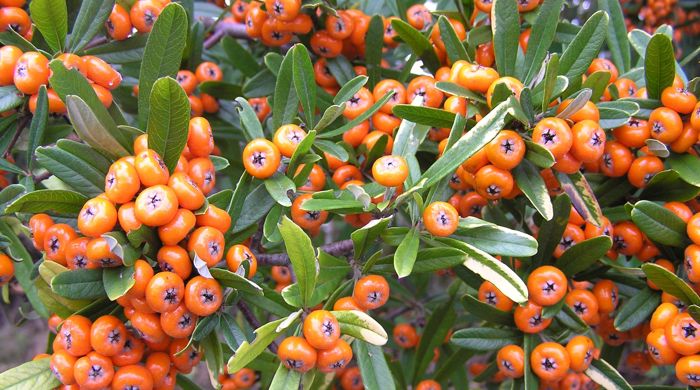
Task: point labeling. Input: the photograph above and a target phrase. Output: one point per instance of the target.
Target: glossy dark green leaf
(542, 35)
(581, 256)
(233, 280)
(687, 166)
(636, 310)
(39, 201)
(585, 46)
(551, 231)
(484, 339)
(528, 178)
(596, 82)
(617, 41)
(88, 23)
(505, 24)
(240, 57)
(659, 224)
(495, 239)
(72, 170)
(10, 98)
(486, 312)
(670, 283)
(162, 55)
(668, 186)
(302, 257)
(286, 101)
(373, 53)
(659, 68)
(79, 284)
(51, 19)
(424, 115)
(453, 45)
(418, 42)
(373, 366)
(604, 374)
(279, 187)
(168, 120)
(304, 83)
(406, 252)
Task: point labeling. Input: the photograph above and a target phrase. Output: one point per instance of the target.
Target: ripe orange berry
(371, 292)
(297, 354)
(321, 329)
(440, 219)
(31, 71)
(203, 296)
(261, 158)
(390, 171)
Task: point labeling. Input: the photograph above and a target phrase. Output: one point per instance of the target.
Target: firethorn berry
(151, 168)
(405, 335)
(178, 323)
(584, 304)
(156, 205)
(424, 86)
(30, 72)
(143, 14)
(321, 329)
(418, 16)
(681, 334)
(203, 296)
(147, 326)
(208, 71)
(7, 269)
(491, 295)
(513, 84)
(98, 216)
(572, 236)
(664, 313)
(555, 135)
(74, 336)
(390, 171)
(287, 138)
(184, 357)
(334, 358)
(102, 73)
(238, 255)
(200, 139)
(215, 217)
(178, 228)
(56, 239)
(307, 219)
(607, 294)
(546, 285)
(679, 100)
(351, 379)
(550, 361)
(38, 224)
(493, 183)
(297, 354)
(189, 196)
(158, 363)
(529, 318)
(121, 182)
(627, 238)
(688, 370)
(604, 65)
(17, 19)
(208, 244)
(580, 349)
(132, 376)
(261, 158)
(506, 151)
(347, 303)
(665, 124)
(107, 335)
(428, 384)
(8, 59)
(164, 292)
(62, 365)
(127, 217)
(118, 24)
(175, 259)
(93, 371)
(440, 219)
(371, 292)
(511, 361)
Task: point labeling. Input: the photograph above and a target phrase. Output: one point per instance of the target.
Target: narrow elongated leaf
(597, 82)
(617, 35)
(486, 312)
(453, 45)
(429, 116)
(51, 19)
(584, 47)
(468, 144)
(286, 100)
(581, 256)
(406, 252)
(38, 125)
(659, 68)
(505, 24)
(304, 83)
(285, 379)
(349, 89)
(279, 187)
(551, 231)
(366, 235)
(168, 120)
(35, 374)
(528, 178)
(302, 257)
(373, 53)
(233, 280)
(418, 42)
(373, 366)
(495, 239)
(636, 310)
(162, 55)
(542, 35)
(659, 223)
(240, 57)
(438, 326)
(82, 177)
(89, 22)
(39, 201)
(10, 98)
(361, 326)
(582, 197)
(79, 284)
(670, 283)
(91, 130)
(484, 339)
(602, 373)
(361, 118)
(249, 120)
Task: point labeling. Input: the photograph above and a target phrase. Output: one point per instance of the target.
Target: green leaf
(428, 260)
(304, 82)
(551, 231)
(617, 35)
(262, 84)
(636, 310)
(302, 257)
(361, 326)
(361, 118)
(597, 82)
(168, 120)
(668, 186)
(38, 125)
(467, 145)
(429, 116)
(486, 312)
(333, 270)
(34, 374)
(90, 129)
(485, 339)
(349, 89)
(10, 98)
(495, 239)
(373, 53)
(687, 166)
(233, 280)
(659, 68)
(285, 379)
(410, 136)
(528, 178)
(240, 57)
(121, 52)
(550, 79)
(10, 167)
(458, 90)
(252, 128)
(264, 335)
(117, 281)
(585, 46)
(542, 35)
(220, 89)
(670, 283)
(505, 24)
(10, 37)
(582, 197)
(51, 19)
(279, 187)
(373, 366)
(162, 55)
(659, 224)
(91, 17)
(255, 206)
(602, 373)
(406, 252)
(365, 236)
(453, 46)
(436, 329)
(329, 116)
(300, 152)
(418, 43)
(79, 284)
(72, 170)
(581, 256)
(286, 101)
(56, 201)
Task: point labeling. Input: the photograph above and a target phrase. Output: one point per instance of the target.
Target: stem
(338, 248)
(253, 322)
(21, 124)
(222, 29)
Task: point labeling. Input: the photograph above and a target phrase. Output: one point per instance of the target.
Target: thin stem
(253, 322)
(338, 248)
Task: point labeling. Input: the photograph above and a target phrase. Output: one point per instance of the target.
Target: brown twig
(222, 29)
(253, 322)
(338, 248)
(21, 124)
